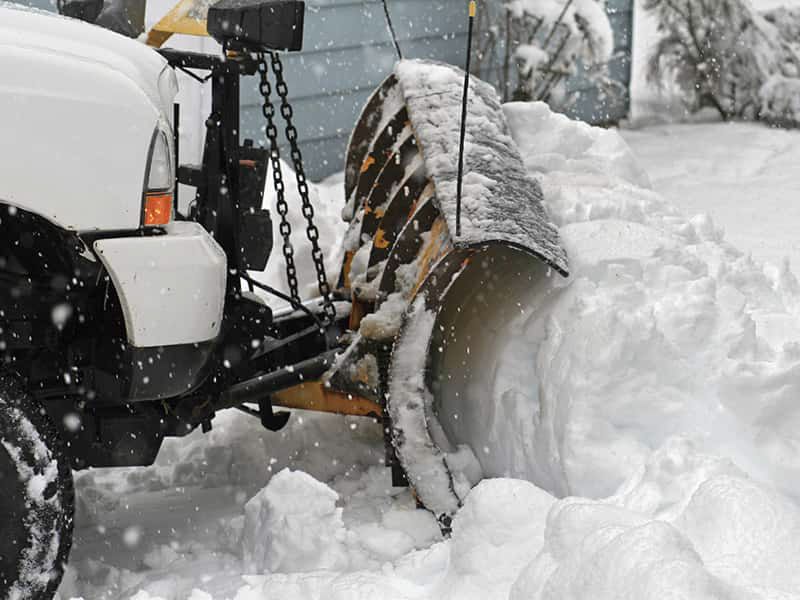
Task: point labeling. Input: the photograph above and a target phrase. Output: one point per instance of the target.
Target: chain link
(302, 184)
(285, 227)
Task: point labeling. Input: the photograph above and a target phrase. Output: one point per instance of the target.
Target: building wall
(40, 4)
(348, 51)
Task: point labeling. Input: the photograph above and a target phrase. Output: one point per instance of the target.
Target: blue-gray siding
(348, 51)
(40, 4)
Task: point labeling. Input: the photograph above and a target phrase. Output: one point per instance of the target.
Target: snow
(532, 57)
(771, 4)
(328, 204)
(685, 526)
(666, 461)
(384, 323)
(500, 518)
(741, 174)
(293, 524)
(687, 319)
(779, 98)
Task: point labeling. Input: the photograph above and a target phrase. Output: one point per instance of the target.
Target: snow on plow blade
(425, 302)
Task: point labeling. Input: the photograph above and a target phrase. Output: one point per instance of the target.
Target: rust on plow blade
(421, 297)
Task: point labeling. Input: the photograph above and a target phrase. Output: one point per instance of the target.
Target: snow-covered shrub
(780, 100)
(780, 95)
(724, 55)
(539, 43)
(787, 21)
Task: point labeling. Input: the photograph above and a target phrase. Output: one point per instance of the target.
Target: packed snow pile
(239, 453)
(659, 439)
(686, 526)
(662, 329)
(503, 520)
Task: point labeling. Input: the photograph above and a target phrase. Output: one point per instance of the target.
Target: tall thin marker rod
(391, 29)
(464, 119)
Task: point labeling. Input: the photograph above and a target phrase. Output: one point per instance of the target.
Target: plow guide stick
(404, 209)
(464, 118)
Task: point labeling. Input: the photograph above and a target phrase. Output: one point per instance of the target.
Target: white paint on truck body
(78, 106)
(172, 287)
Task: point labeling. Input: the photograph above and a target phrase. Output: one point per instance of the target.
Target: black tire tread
(13, 394)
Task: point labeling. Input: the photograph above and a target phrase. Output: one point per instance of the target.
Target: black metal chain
(285, 227)
(317, 256)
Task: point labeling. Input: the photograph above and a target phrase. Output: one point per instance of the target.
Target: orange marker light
(157, 208)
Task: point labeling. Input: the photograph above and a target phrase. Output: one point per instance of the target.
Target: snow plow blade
(423, 298)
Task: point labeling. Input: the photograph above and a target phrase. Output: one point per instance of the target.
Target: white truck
(123, 321)
(96, 276)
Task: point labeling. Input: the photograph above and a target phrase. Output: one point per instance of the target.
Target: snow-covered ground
(744, 175)
(667, 424)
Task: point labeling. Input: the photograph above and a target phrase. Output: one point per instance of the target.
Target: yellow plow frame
(187, 17)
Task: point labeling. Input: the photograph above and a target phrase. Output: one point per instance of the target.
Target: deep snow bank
(495, 535)
(663, 328)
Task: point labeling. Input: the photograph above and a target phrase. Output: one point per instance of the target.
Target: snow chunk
(293, 524)
(500, 517)
(745, 532)
(703, 530)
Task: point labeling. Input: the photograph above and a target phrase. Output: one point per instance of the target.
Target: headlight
(159, 183)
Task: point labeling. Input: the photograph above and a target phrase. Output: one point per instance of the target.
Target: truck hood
(26, 28)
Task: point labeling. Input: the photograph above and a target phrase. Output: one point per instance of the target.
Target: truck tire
(36, 498)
